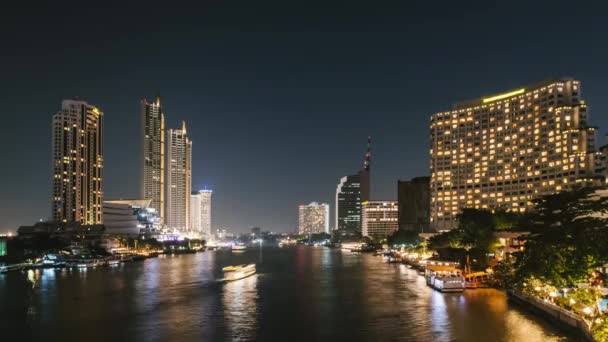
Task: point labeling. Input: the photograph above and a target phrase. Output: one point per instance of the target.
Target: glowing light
(503, 96)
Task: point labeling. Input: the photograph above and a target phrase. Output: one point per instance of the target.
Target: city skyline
(263, 122)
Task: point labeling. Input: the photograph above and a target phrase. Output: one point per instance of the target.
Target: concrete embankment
(562, 317)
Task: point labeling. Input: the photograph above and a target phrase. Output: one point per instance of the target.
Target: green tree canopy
(569, 236)
(404, 237)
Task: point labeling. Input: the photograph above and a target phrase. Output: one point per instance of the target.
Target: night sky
(279, 97)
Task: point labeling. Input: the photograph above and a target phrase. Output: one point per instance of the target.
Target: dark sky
(279, 97)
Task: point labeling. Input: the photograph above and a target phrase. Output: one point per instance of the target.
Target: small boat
(239, 248)
(232, 273)
(114, 262)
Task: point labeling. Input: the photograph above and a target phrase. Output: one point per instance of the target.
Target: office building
(414, 200)
(130, 217)
(179, 175)
(505, 150)
(153, 141)
(314, 218)
(200, 212)
(77, 163)
(351, 191)
(603, 157)
(380, 218)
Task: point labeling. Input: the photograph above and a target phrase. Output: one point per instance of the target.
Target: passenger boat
(239, 248)
(232, 273)
(444, 278)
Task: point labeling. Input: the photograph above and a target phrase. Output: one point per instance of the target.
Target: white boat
(444, 278)
(232, 273)
(239, 248)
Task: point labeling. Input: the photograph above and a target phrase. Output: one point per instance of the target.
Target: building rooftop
(506, 94)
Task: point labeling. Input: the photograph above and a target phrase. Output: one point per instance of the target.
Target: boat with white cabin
(232, 273)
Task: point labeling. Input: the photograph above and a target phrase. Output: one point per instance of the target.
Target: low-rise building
(380, 218)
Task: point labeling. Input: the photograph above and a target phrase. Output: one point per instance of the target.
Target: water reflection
(300, 293)
(240, 299)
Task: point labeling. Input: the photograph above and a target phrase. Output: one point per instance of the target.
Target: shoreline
(557, 316)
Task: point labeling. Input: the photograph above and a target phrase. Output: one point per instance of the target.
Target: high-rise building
(179, 175)
(603, 166)
(200, 212)
(504, 150)
(314, 218)
(414, 199)
(153, 135)
(77, 163)
(351, 191)
(380, 218)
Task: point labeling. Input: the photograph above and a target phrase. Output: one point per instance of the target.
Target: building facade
(350, 192)
(130, 217)
(153, 146)
(603, 165)
(179, 176)
(505, 150)
(77, 163)
(414, 198)
(200, 212)
(314, 218)
(380, 218)
(348, 204)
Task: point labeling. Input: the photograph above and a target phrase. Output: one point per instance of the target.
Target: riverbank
(558, 316)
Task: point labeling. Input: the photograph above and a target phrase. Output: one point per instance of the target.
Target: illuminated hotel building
(380, 218)
(153, 126)
(77, 163)
(504, 150)
(200, 212)
(179, 175)
(314, 218)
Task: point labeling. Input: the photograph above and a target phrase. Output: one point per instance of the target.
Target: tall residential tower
(200, 212)
(77, 163)
(153, 135)
(314, 218)
(504, 150)
(179, 175)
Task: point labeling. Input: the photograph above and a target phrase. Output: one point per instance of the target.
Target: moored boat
(232, 273)
(444, 278)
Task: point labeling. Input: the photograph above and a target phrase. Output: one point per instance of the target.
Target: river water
(299, 294)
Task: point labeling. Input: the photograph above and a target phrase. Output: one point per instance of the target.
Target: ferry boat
(232, 273)
(444, 278)
(239, 248)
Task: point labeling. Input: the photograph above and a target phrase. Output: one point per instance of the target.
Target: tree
(409, 238)
(569, 235)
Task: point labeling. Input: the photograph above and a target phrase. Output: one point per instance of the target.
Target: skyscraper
(77, 163)
(379, 218)
(200, 212)
(504, 150)
(179, 175)
(153, 135)
(414, 204)
(351, 191)
(314, 218)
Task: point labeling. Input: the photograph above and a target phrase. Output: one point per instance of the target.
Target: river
(299, 294)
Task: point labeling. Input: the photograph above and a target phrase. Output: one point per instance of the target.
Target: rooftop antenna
(368, 154)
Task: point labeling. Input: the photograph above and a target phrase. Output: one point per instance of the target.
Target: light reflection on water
(240, 308)
(299, 294)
